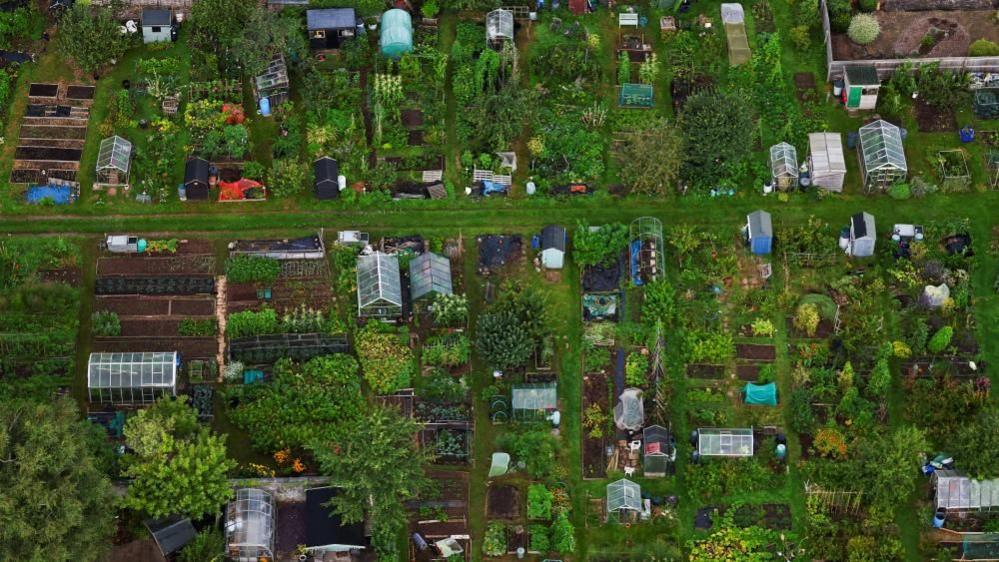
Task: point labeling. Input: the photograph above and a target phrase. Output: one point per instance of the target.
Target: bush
(494, 543)
(867, 5)
(864, 29)
(539, 539)
(802, 418)
(207, 546)
(830, 443)
(801, 36)
(105, 324)
(806, 319)
(983, 48)
(252, 269)
(900, 191)
(940, 340)
(288, 177)
(636, 369)
(539, 502)
(763, 328)
(197, 327)
(901, 350)
(536, 449)
(839, 14)
(807, 13)
(563, 535)
(252, 323)
(430, 9)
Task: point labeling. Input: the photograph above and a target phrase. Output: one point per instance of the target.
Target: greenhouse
(131, 378)
(718, 442)
(881, 154)
(396, 33)
(533, 402)
(623, 497)
(429, 275)
(784, 166)
(658, 451)
(379, 289)
(826, 162)
(249, 526)
(629, 413)
(646, 250)
(734, 21)
(114, 158)
(499, 27)
(956, 492)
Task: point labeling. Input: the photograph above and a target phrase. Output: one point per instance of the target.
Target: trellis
(953, 180)
(992, 163)
(223, 90)
(845, 502)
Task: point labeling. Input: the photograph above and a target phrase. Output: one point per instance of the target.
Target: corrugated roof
(330, 18)
(553, 237)
(196, 169)
(327, 170)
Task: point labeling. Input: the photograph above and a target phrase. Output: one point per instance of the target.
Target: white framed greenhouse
(250, 526)
(724, 442)
(957, 492)
(131, 378)
(114, 160)
(629, 412)
(499, 27)
(882, 156)
(533, 401)
(826, 161)
(784, 166)
(658, 452)
(624, 497)
(379, 289)
(429, 275)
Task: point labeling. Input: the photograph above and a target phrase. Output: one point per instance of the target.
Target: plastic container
(141, 245)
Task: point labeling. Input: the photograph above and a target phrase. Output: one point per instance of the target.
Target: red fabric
(577, 7)
(653, 448)
(235, 191)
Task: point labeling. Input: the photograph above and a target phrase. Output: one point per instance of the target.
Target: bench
(627, 20)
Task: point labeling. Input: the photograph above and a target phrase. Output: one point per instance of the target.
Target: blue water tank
(140, 246)
(265, 107)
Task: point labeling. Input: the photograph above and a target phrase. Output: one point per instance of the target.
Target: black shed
(196, 173)
(325, 531)
(171, 533)
(330, 27)
(327, 184)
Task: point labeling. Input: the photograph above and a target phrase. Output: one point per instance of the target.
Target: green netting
(980, 547)
(636, 95)
(761, 394)
(986, 104)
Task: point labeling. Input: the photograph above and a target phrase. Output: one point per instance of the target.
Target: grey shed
(429, 275)
(553, 242)
(862, 235)
(171, 533)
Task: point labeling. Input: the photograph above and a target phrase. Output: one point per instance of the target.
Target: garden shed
(784, 166)
(131, 378)
(171, 533)
(623, 497)
(499, 27)
(533, 401)
(860, 86)
(882, 156)
(330, 27)
(379, 289)
(155, 25)
(658, 451)
(396, 33)
(759, 232)
(725, 442)
(114, 159)
(826, 162)
(196, 178)
(325, 530)
(629, 412)
(760, 394)
(429, 276)
(250, 526)
(862, 236)
(956, 492)
(327, 182)
(734, 21)
(553, 241)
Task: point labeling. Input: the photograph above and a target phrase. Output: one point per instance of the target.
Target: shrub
(105, 324)
(807, 13)
(563, 535)
(839, 14)
(636, 369)
(801, 36)
(252, 269)
(536, 449)
(830, 443)
(623, 68)
(940, 340)
(867, 5)
(207, 545)
(450, 310)
(254, 170)
(430, 9)
(864, 29)
(288, 177)
(983, 48)
(539, 502)
(539, 538)
(900, 191)
(806, 319)
(901, 350)
(880, 380)
(763, 328)
(196, 327)
(233, 372)
(494, 543)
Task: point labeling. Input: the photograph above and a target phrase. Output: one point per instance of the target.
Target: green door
(853, 96)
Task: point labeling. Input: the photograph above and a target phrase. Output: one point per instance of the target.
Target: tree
(651, 158)
(864, 29)
(378, 466)
(718, 129)
(218, 26)
(288, 177)
(880, 380)
(976, 445)
(265, 34)
(55, 504)
(600, 245)
(891, 464)
(91, 38)
(177, 472)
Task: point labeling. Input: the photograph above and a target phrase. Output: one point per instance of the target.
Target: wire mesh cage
(646, 250)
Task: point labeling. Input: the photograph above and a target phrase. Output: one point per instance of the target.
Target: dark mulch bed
(595, 391)
(25, 176)
(498, 250)
(806, 440)
(291, 521)
(755, 351)
(48, 153)
(50, 132)
(69, 276)
(429, 162)
(503, 502)
(142, 550)
(43, 90)
(703, 521)
(412, 117)
(156, 306)
(189, 348)
(747, 373)
(700, 371)
(603, 278)
(823, 331)
(80, 92)
(775, 516)
(145, 327)
(933, 120)
(415, 138)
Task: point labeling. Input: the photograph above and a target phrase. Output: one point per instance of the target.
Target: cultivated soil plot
(138, 265)
(301, 282)
(823, 331)
(595, 391)
(503, 502)
(702, 371)
(157, 306)
(755, 351)
(903, 33)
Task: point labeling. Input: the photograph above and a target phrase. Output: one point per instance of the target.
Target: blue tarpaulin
(58, 194)
(761, 394)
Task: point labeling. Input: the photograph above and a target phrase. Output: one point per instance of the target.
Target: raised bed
(144, 265)
(755, 351)
(702, 371)
(35, 176)
(80, 92)
(300, 347)
(595, 391)
(154, 285)
(48, 153)
(149, 327)
(157, 306)
(52, 132)
(188, 347)
(503, 502)
(43, 90)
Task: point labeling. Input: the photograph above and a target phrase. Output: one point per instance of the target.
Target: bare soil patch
(595, 391)
(755, 351)
(823, 331)
(49, 132)
(412, 118)
(932, 120)
(503, 502)
(189, 348)
(80, 92)
(48, 153)
(701, 371)
(902, 35)
(144, 327)
(747, 373)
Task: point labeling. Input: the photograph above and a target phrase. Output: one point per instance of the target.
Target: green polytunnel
(761, 394)
(396, 33)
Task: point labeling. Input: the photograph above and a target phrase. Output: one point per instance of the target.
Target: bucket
(837, 87)
(938, 518)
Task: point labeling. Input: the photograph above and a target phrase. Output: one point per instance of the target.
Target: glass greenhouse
(657, 451)
(499, 27)
(249, 526)
(113, 161)
(826, 161)
(957, 492)
(534, 401)
(131, 378)
(717, 442)
(646, 250)
(623, 496)
(882, 156)
(784, 166)
(629, 413)
(379, 289)
(429, 275)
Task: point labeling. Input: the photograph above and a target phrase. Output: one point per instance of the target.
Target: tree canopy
(91, 37)
(55, 504)
(600, 245)
(651, 158)
(507, 334)
(976, 445)
(718, 130)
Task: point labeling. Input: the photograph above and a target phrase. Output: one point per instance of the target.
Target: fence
(885, 67)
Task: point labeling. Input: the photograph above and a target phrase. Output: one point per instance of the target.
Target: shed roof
(171, 533)
(330, 18)
(827, 153)
(553, 237)
(324, 527)
(327, 170)
(724, 442)
(429, 273)
(881, 146)
(378, 279)
(196, 169)
(862, 75)
(114, 153)
(760, 224)
(155, 17)
(862, 225)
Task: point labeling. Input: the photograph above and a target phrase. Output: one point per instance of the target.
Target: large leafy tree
(718, 128)
(598, 246)
(91, 37)
(976, 446)
(378, 466)
(268, 33)
(180, 470)
(651, 158)
(891, 464)
(218, 28)
(55, 504)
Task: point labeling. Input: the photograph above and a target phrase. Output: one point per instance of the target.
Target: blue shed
(759, 232)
